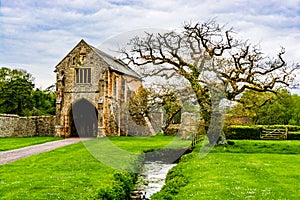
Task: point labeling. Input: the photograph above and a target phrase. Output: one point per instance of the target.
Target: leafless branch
(204, 50)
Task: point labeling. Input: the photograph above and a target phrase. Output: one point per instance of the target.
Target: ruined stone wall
(16, 126)
(190, 124)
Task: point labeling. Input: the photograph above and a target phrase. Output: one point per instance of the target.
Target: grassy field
(72, 172)
(247, 170)
(14, 143)
(140, 144)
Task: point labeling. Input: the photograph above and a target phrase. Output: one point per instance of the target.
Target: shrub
(121, 188)
(114, 192)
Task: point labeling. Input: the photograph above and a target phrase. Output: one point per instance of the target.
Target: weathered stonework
(91, 89)
(16, 126)
(188, 126)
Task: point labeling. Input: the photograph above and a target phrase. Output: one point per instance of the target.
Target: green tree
(16, 88)
(18, 96)
(139, 108)
(250, 105)
(276, 111)
(172, 107)
(268, 108)
(44, 101)
(295, 104)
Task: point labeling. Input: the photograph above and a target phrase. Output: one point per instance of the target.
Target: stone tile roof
(116, 64)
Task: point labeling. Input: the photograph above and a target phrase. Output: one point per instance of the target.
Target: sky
(36, 35)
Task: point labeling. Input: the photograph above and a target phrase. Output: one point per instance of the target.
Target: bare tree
(216, 65)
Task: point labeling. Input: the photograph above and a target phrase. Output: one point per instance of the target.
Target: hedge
(253, 132)
(293, 136)
(243, 132)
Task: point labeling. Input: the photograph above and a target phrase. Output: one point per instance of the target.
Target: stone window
(83, 75)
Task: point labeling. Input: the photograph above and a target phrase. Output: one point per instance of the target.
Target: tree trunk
(215, 132)
(222, 139)
(215, 121)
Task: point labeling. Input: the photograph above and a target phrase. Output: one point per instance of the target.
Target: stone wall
(16, 126)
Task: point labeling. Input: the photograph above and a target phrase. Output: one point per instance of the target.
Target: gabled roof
(114, 63)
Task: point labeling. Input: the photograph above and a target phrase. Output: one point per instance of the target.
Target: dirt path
(16, 154)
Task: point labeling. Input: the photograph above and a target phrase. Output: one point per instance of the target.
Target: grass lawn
(140, 144)
(72, 172)
(15, 143)
(247, 170)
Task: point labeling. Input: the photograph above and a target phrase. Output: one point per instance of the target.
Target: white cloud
(37, 34)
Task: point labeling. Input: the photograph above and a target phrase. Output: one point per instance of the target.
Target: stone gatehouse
(92, 88)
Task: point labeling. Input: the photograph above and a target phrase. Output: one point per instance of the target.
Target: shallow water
(153, 177)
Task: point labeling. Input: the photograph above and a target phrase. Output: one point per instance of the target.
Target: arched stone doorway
(83, 119)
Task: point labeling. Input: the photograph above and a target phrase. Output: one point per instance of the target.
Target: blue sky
(37, 34)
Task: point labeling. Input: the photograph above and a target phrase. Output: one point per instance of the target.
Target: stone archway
(83, 119)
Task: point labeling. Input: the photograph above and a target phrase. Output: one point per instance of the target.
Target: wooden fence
(274, 134)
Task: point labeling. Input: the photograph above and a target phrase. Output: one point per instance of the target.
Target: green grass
(140, 144)
(15, 143)
(65, 173)
(246, 170)
(261, 146)
(72, 172)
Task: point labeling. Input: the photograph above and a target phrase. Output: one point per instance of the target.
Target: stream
(152, 178)
(154, 172)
